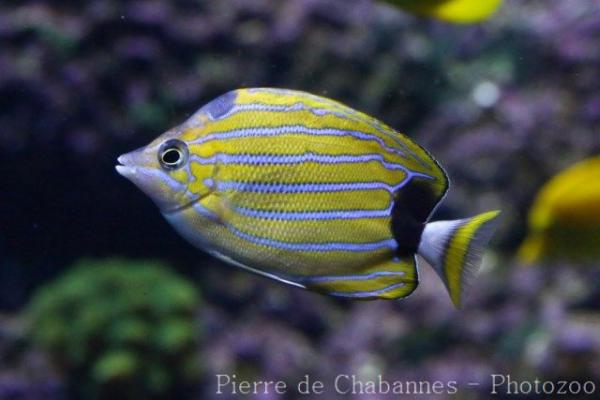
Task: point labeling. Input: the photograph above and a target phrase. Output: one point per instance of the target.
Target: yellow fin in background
(564, 220)
(531, 249)
(455, 11)
(455, 248)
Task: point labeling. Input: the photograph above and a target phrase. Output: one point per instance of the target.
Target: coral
(118, 327)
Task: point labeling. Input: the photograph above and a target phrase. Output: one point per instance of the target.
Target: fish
(309, 192)
(454, 11)
(564, 219)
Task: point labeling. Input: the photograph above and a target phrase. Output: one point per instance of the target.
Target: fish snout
(125, 167)
(130, 163)
(141, 167)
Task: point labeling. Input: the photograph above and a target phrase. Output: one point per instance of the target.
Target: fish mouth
(124, 169)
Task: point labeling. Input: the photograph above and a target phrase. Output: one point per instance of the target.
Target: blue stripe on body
(262, 187)
(276, 159)
(314, 247)
(157, 174)
(293, 130)
(299, 106)
(372, 293)
(318, 247)
(314, 215)
(339, 110)
(307, 188)
(335, 278)
(173, 184)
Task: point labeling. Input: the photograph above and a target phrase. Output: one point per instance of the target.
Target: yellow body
(271, 112)
(304, 190)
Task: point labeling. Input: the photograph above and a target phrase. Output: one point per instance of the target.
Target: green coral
(119, 328)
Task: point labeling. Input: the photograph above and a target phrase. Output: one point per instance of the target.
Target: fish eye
(173, 154)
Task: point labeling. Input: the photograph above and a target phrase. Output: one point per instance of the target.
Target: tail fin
(455, 248)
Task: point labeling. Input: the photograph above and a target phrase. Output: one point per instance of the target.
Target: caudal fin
(455, 248)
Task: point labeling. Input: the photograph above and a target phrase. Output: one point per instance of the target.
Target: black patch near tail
(412, 205)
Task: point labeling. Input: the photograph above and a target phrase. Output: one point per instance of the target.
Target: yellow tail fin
(455, 248)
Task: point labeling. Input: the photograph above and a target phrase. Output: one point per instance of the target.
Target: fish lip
(126, 170)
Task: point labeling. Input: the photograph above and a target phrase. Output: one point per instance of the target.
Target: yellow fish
(310, 192)
(564, 221)
(456, 11)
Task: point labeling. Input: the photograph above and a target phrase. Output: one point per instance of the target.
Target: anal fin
(390, 280)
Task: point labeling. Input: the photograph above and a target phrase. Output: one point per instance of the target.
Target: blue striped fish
(307, 191)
